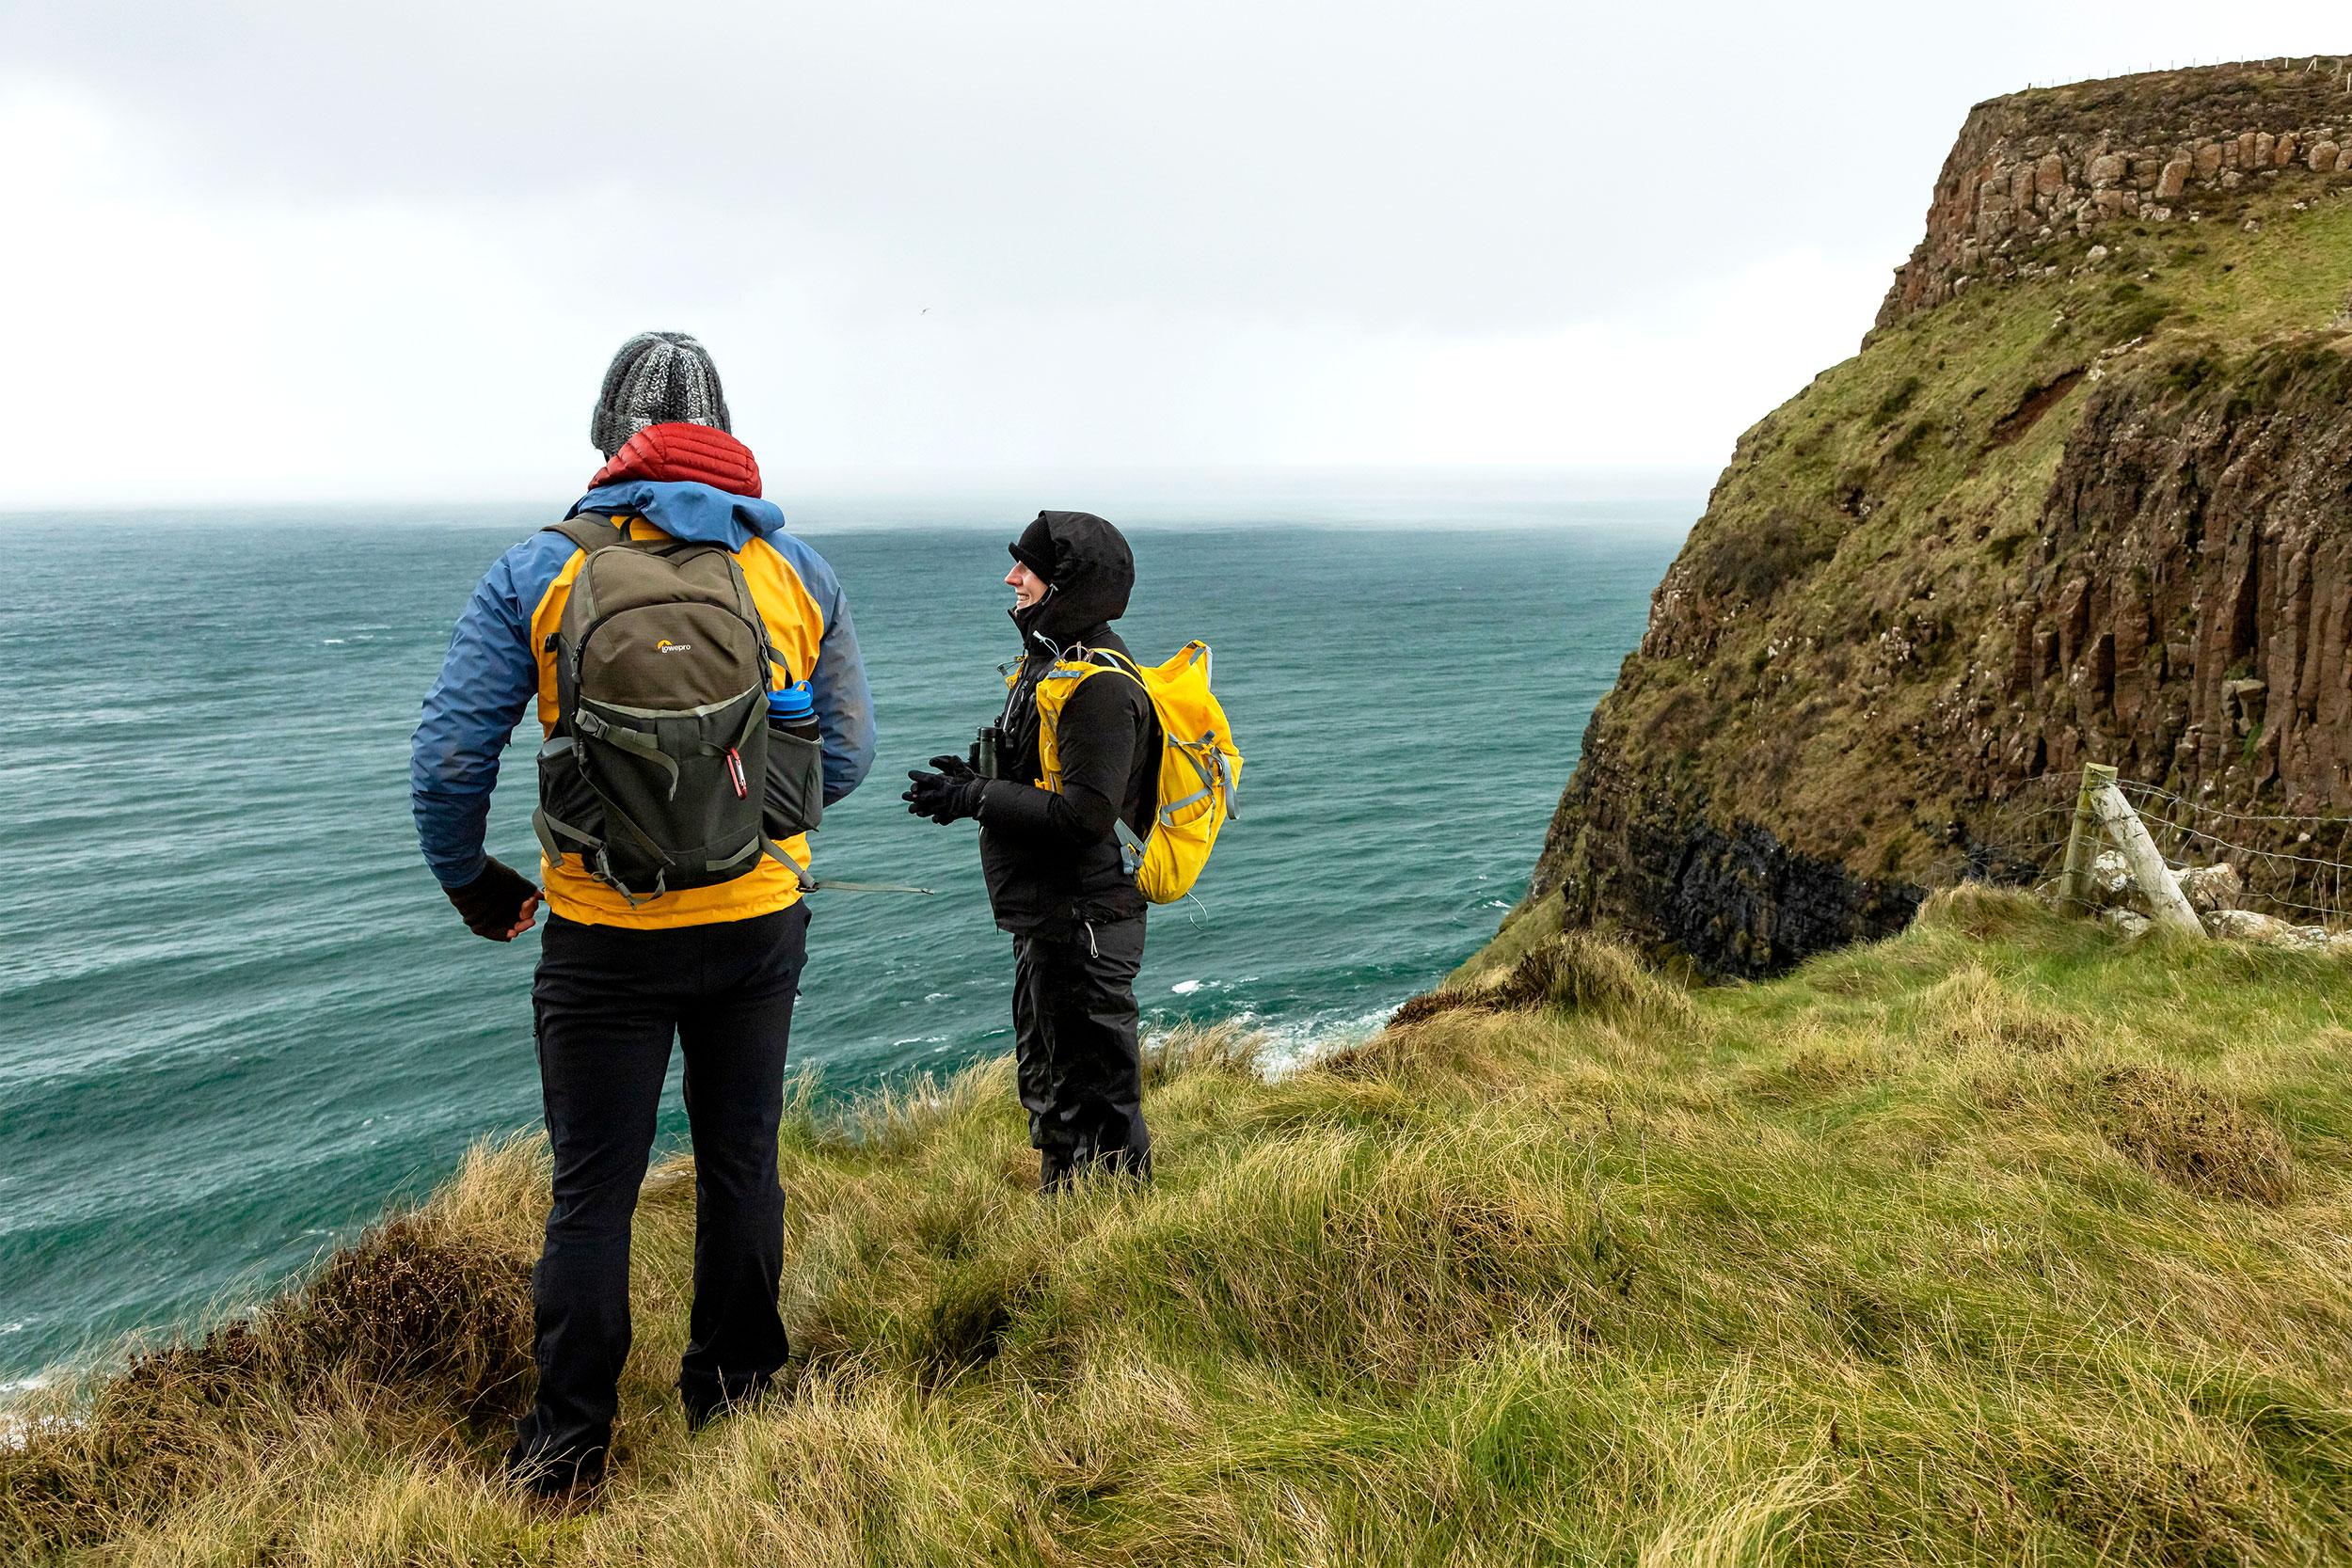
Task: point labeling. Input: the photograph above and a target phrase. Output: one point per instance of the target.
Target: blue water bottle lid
(791, 701)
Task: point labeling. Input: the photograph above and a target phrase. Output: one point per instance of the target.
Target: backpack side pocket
(570, 819)
(794, 800)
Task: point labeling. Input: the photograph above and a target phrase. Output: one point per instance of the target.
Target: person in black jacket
(1055, 875)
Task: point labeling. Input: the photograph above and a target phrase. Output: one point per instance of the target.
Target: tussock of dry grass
(1575, 971)
(428, 1315)
(1998, 1241)
(1226, 1047)
(2191, 1134)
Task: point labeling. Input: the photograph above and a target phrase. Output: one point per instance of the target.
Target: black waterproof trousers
(607, 1002)
(1074, 1018)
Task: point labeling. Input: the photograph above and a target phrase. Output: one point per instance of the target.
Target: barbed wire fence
(2018, 841)
(2294, 866)
(2297, 867)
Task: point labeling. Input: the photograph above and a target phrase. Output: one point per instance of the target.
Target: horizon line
(1593, 482)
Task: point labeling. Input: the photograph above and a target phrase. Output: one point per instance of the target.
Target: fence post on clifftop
(2165, 897)
(2074, 883)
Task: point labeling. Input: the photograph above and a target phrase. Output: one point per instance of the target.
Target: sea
(238, 1019)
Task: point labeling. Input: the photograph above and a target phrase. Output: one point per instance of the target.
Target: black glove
(492, 903)
(949, 795)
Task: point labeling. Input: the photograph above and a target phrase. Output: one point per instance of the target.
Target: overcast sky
(291, 251)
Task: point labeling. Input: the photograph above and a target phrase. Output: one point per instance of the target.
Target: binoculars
(984, 752)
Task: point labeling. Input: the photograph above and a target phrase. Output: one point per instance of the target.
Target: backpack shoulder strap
(747, 607)
(1122, 664)
(1071, 670)
(1082, 661)
(1117, 663)
(591, 530)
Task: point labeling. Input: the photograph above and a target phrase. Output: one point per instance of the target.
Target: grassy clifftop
(1996, 1241)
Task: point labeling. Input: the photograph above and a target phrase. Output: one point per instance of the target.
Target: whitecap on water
(1292, 1046)
(16, 1431)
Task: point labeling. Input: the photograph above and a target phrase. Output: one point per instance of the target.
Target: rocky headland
(2085, 494)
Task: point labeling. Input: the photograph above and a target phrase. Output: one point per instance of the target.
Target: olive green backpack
(662, 772)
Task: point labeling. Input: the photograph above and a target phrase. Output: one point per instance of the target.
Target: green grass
(1997, 1241)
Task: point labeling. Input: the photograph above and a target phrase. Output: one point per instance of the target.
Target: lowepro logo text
(666, 646)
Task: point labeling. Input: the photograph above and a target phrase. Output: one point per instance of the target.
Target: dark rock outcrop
(2150, 148)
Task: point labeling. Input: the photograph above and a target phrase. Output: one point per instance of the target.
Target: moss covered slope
(1994, 1241)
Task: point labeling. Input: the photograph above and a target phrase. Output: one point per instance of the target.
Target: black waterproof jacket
(1052, 859)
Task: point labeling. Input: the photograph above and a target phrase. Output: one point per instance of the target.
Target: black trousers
(1073, 1020)
(606, 1002)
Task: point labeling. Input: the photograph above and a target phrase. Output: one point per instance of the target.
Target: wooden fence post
(2165, 897)
(2083, 839)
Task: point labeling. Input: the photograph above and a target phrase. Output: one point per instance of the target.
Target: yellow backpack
(1200, 768)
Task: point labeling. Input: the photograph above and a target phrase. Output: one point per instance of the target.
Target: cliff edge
(2085, 494)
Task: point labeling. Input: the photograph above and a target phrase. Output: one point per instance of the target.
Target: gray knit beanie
(657, 378)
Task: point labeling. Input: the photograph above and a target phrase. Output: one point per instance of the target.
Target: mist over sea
(237, 1017)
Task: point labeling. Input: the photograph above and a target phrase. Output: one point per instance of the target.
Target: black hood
(1090, 568)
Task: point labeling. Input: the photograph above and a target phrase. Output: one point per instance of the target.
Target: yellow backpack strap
(1124, 665)
(1130, 847)
(1052, 689)
(1087, 658)
(1068, 671)
(1076, 671)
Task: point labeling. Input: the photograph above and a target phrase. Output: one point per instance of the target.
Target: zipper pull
(734, 773)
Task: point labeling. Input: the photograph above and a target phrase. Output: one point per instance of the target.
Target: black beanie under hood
(1089, 566)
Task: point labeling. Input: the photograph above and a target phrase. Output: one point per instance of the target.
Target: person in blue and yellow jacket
(716, 966)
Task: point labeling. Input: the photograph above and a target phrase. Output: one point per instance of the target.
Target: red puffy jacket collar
(693, 453)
